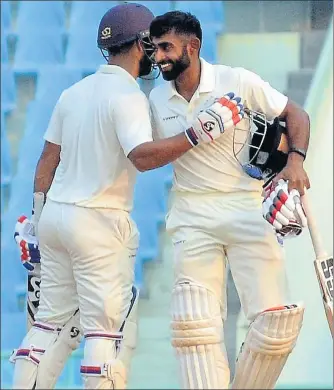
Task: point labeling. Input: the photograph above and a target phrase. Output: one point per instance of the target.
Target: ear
(195, 45)
(139, 46)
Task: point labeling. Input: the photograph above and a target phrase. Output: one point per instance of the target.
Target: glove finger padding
(291, 230)
(27, 243)
(283, 210)
(299, 211)
(222, 115)
(272, 215)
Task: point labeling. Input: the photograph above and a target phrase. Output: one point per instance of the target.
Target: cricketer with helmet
(215, 216)
(98, 137)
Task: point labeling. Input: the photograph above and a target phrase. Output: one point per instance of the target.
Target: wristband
(301, 152)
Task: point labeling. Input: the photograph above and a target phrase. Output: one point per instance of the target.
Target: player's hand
(283, 209)
(27, 242)
(294, 173)
(222, 115)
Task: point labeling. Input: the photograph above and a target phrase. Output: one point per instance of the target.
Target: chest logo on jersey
(168, 118)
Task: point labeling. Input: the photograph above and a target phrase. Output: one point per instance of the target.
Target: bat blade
(324, 271)
(33, 296)
(323, 263)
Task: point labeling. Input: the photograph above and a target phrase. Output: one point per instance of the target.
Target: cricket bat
(34, 277)
(34, 281)
(323, 264)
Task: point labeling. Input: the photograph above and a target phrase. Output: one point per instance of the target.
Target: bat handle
(312, 227)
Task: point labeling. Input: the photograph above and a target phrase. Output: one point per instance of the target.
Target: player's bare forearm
(298, 126)
(46, 167)
(151, 155)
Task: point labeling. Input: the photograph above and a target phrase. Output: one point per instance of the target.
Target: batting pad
(31, 352)
(269, 341)
(55, 357)
(197, 336)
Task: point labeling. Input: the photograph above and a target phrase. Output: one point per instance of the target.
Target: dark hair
(180, 22)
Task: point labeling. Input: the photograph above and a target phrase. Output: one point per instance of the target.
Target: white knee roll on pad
(269, 341)
(197, 336)
(55, 357)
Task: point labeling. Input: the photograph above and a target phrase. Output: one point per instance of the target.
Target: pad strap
(103, 335)
(27, 354)
(46, 327)
(113, 370)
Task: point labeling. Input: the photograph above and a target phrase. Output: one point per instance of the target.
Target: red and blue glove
(224, 114)
(283, 209)
(27, 242)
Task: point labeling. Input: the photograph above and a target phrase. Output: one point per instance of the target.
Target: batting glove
(283, 209)
(222, 115)
(27, 242)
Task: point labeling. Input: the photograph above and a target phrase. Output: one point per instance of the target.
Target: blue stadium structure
(46, 46)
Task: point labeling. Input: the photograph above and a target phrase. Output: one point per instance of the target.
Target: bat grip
(312, 227)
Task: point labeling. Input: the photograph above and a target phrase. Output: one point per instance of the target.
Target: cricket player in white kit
(98, 137)
(216, 215)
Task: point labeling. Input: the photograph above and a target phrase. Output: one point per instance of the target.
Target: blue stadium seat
(52, 82)
(150, 194)
(139, 273)
(20, 201)
(150, 207)
(3, 199)
(149, 236)
(6, 17)
(38, 116)
(36, 49)
(8, 88)
(4, 47)
(13, 329)
(30, 149)
(208, 12)
(209, 45)
(82, 51)
(45, 15)
(32, 142)
(88, 14)
(157, 7)
(6, 160)
(13, 274)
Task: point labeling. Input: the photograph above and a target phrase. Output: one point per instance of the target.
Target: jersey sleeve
(54, 131)
(259, 95)
(131, 118)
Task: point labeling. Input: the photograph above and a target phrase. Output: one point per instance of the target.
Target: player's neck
(188, 81)
(129, 65)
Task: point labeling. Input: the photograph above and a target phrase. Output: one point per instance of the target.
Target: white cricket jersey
(97, 122)
(212, 167)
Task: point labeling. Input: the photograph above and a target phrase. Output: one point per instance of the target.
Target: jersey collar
(206, 84)
(114, 69)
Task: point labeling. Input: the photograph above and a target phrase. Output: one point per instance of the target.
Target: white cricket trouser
(207, 229)
(87, 261)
